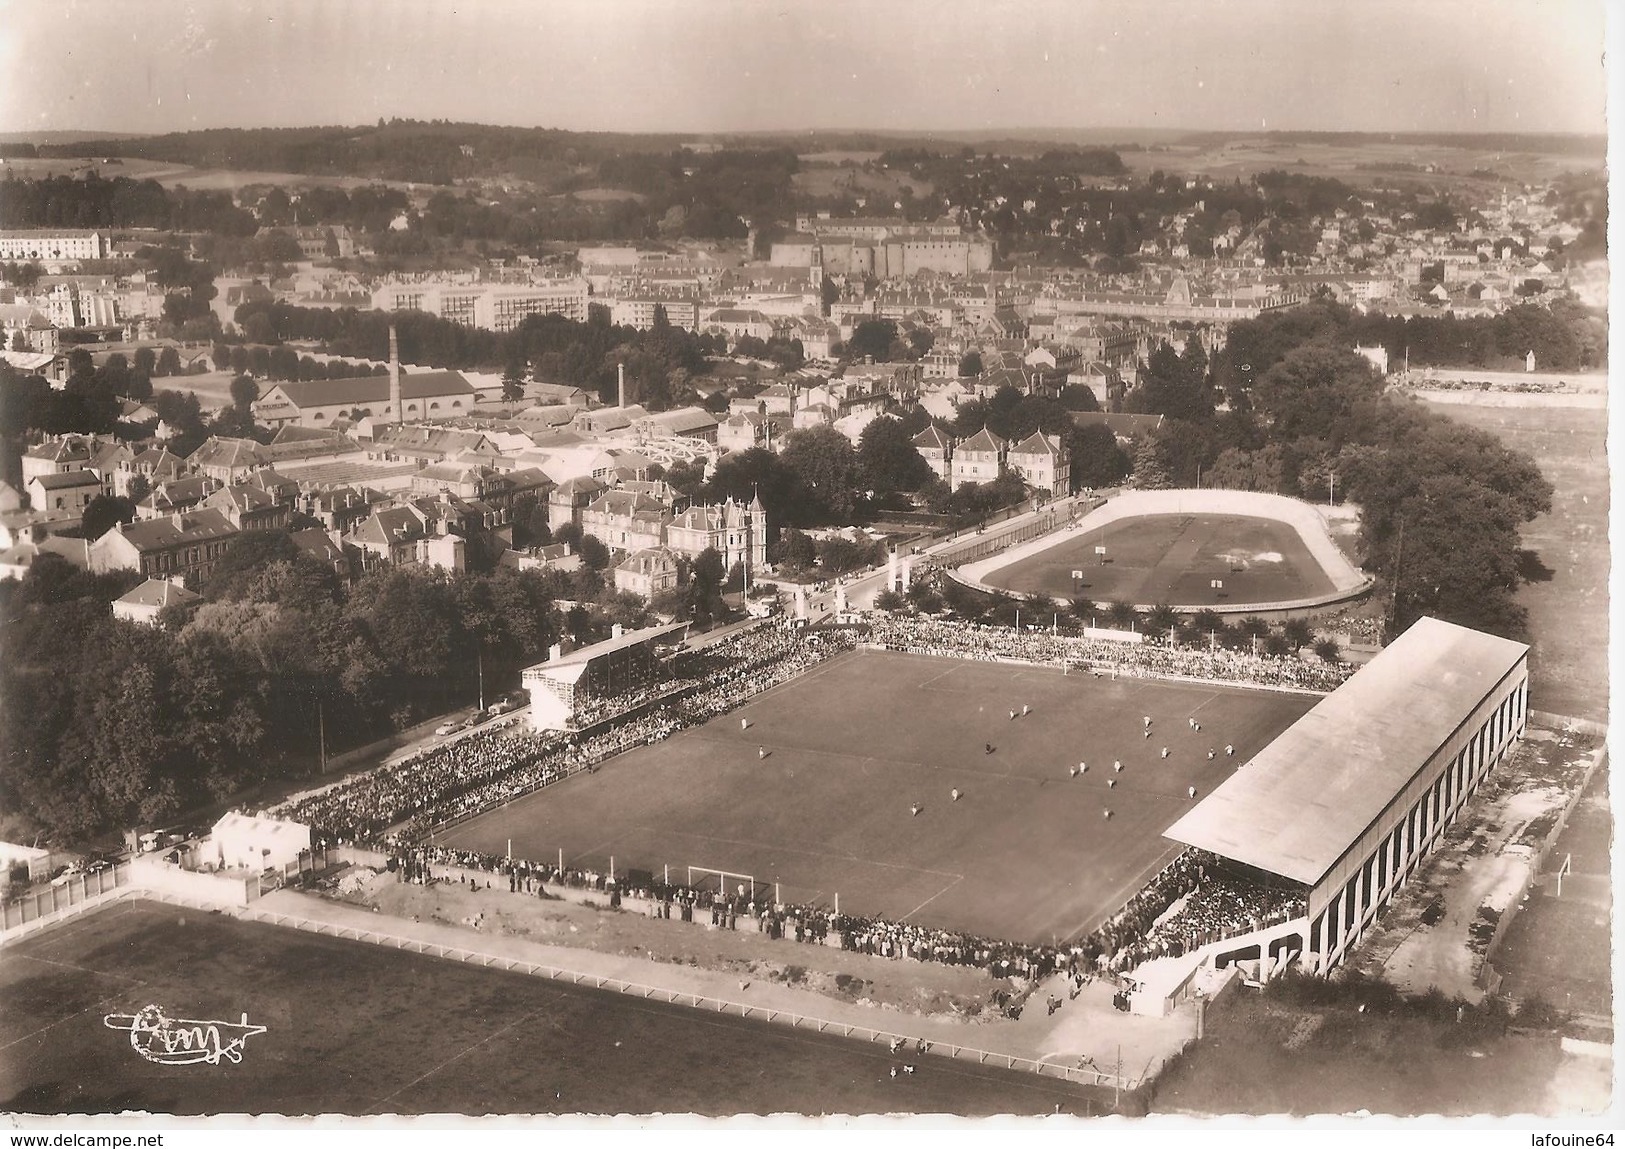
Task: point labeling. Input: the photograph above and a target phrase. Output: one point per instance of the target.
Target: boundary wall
(1348, 581)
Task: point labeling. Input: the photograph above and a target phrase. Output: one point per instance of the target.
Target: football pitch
(359, 1029)
(815, 794)
(1174, 559)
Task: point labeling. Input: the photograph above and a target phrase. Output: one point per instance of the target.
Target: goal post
(728, 882)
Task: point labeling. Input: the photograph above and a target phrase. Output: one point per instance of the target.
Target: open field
(1568, 602)
(830, 179)
(1174, 559)
(1356, 163)
(1261, 1056)
(1558, 946)
(359, 1029)
(1026, 852)
(172, 175)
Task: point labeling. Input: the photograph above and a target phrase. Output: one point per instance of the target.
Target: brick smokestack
(397, 412)
(620, 388)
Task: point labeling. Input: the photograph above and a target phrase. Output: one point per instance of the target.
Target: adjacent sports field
(1174, 559)
(1026, 853)
(354, 1028)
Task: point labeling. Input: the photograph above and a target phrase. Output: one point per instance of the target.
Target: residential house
(979, 459)
(937, 449)
(249, 508)
(326, 548)
(69, 492)
(626, 521)
(1044, 463)
(58, 456)
(648, 572)
(736, 531)
(187, 546)
(143, 604)
(554, 556)
(746, 429)
(228, 461)
(736, 323)
(15, 560)
(176, 496)
(568, 501)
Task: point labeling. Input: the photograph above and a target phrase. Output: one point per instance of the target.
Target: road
(862, 589)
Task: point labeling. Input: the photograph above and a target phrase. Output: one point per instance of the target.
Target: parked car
(500, 706)
(449, 728)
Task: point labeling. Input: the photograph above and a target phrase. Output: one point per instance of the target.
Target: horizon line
(989, 132)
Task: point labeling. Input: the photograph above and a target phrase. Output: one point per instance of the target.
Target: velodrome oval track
(1174, 558)
(1025, 854)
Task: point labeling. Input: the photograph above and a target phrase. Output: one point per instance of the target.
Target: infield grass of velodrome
(359, 1029)
(1025, 854)
(1174, 559)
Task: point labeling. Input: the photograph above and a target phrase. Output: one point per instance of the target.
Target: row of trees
(93, 202)
(1203, 628)
(109, 723)
(659, 362)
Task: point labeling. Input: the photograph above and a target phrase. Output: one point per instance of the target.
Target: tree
(594, 553)
(1123, 615)
(146, 360)
(19, 341)
(1097, 460)
(825, 465)
(1320, 390)
(1149, 474)
(887, 459)
(838, 556)
(891, 602)
(513, 380)
(244, 391)
(169, 362)
(794, 551)
(102, 512)
(872, 338)
(705, 587)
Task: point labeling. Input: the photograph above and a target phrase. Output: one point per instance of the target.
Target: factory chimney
(620, 391)
(397, 411)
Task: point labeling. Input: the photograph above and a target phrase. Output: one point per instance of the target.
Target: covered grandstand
(563, 689)
(1345, 803)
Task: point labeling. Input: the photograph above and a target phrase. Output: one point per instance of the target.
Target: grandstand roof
(1303, 800)
(610, 645)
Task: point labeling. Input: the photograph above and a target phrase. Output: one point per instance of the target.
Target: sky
(693, 66)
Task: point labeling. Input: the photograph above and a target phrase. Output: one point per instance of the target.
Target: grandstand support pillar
(908, 573)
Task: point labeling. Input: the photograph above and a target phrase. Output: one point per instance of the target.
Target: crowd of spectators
(1149, 658)
(358, 808)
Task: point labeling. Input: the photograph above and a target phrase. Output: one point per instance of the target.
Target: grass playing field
(1026, 853)
(1174, 559)
(354, 1028)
